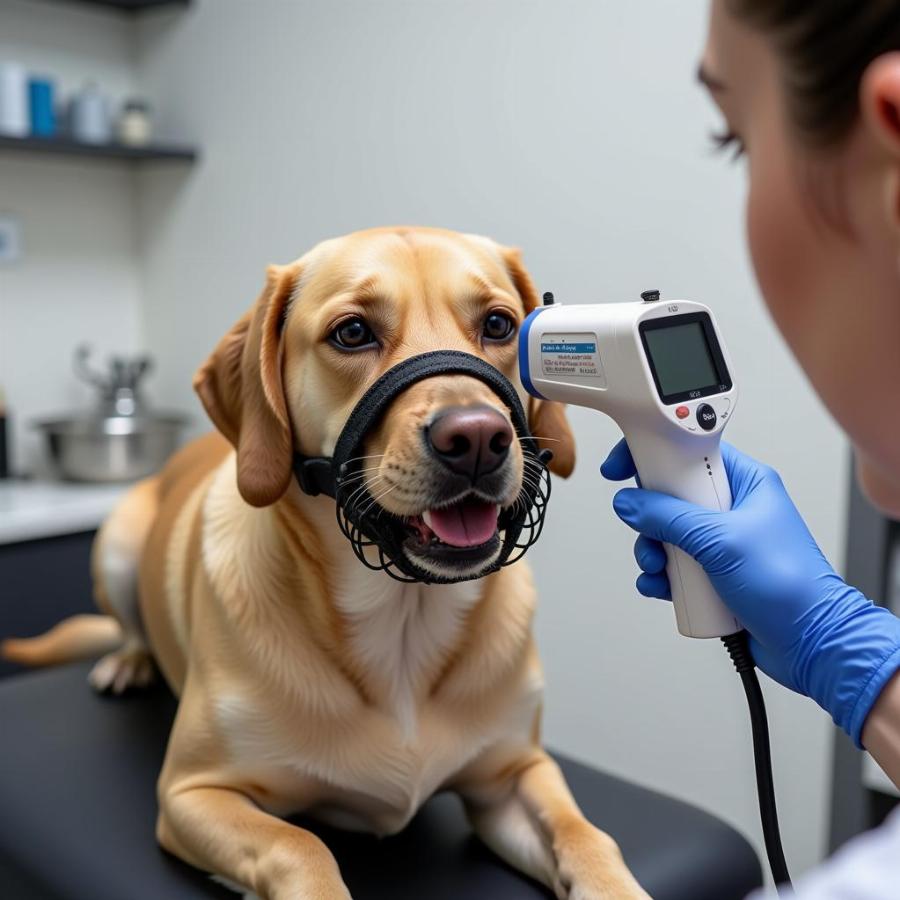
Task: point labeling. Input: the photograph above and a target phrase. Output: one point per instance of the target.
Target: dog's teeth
(426, 517)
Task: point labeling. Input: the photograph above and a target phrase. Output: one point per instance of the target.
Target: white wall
(78, 278)
(573, 129)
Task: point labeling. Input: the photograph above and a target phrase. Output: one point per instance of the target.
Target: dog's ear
(241, 390)
(518, 274)
(218, 381)
(546, 418)
(547, 421)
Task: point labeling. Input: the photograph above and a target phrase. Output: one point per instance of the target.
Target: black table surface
(77, 794)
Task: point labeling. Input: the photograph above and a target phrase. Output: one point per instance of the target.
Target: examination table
(78, 809)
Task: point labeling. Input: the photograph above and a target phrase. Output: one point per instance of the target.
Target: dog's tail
(79, 637)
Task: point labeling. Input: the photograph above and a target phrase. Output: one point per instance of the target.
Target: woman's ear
(547, 421)
(241, 390)
(879, 96)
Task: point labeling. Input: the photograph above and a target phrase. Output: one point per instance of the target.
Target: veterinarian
(810, 94)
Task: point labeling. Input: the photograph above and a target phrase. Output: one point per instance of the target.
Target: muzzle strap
(319, 474)
(314, 475)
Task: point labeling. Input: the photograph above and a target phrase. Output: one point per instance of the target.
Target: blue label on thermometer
(571, 356)
(568, 348)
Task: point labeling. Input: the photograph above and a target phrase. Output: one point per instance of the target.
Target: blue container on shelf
(40, 106)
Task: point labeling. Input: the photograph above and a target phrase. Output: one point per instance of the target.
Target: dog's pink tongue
(465, 524)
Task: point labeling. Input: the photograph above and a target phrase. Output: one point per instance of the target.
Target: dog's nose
(470, 440)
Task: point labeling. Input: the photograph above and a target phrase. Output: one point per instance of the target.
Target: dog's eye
(352, 334)
(498, 326)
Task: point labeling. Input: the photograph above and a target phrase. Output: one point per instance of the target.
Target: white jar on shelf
(134, 127)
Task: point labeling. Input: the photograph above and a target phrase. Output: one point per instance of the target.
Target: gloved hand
(808, 629)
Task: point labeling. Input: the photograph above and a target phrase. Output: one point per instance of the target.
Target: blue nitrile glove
(808, 629)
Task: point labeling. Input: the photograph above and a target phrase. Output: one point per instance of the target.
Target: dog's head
(445, 459)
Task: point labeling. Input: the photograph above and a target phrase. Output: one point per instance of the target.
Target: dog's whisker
(363, 474)
(374, 486)
(375, 472)
(381, 511)
(375, 500)
(538, 437)
(364, 482)
(357, 493)
(534, 465)
(369, 456)
(533, 485)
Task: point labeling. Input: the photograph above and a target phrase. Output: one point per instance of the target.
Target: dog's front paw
(315, 884)
(590, 867)
(313, 890)
(318, 879)
(611, 889)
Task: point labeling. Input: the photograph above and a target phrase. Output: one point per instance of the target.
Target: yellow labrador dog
(308, 683)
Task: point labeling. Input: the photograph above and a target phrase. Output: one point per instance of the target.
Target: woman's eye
(728, 140)
(498, 326)
(352, 334)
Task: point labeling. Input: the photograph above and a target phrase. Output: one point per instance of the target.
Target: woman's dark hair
(825, 47)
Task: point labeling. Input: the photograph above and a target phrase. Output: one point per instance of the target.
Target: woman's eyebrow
(709, 81)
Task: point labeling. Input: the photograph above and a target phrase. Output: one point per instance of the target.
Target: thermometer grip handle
(691, 470)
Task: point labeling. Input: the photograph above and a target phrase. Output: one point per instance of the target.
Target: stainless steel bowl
(111, 448)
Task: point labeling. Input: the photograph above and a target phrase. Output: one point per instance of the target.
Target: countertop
(39, 509)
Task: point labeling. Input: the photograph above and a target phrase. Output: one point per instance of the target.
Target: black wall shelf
(128, 5)
(68, 147)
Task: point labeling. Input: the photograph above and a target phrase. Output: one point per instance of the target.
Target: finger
(665, 518)
(619, 465)
(743, 472)
(654, 585)
(650, 555)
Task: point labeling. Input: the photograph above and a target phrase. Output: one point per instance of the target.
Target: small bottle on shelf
(134, 126)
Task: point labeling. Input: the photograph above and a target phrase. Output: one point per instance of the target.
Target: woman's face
(825, 242)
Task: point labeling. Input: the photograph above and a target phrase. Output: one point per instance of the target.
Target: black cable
(739, 650)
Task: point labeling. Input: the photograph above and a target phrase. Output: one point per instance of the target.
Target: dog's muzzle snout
(472, 441)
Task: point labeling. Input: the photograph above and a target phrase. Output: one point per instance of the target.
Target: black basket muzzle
(376, 535)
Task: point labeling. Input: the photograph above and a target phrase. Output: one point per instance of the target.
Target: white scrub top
(866, 868)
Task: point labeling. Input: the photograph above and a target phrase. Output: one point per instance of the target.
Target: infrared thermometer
(661, 371)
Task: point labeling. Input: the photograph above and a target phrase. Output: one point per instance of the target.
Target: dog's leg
(533, 822)
(508, 830)
(115, 558)
(224, 832)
